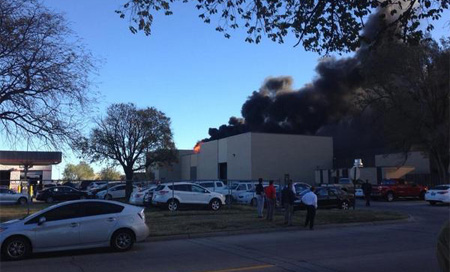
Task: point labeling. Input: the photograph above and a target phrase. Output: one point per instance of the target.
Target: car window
(219, 184)
(241, 187)
(61, 213)
(98, 208)
(4, 191)
(322, 192)
(180, 187)
(197, 189)
(335, 191)
(441, 187)
(388, 182)
(207, 184)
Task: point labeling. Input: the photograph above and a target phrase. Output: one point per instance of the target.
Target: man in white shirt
(310, 200)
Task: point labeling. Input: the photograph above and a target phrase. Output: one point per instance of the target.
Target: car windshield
(160, 187)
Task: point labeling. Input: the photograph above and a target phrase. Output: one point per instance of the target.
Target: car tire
(344, 205)
(108, 197)
(173, 205)
(16, 248)
(22, 201)
(49, 199)
(253, 202)
(390, 196)
(215, 204)
(122, 240)
(432, 203)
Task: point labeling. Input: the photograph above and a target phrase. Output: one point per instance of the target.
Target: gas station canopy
(29, 158)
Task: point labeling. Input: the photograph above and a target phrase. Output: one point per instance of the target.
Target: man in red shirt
(271, 196)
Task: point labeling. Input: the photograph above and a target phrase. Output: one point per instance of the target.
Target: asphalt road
(407, 246)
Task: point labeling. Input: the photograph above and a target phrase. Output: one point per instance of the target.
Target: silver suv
(174, 195)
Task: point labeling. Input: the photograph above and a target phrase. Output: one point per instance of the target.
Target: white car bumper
(431, 196)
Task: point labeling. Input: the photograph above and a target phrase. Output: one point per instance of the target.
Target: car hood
(216, 194)
(10, 223)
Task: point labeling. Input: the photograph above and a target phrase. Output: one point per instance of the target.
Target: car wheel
(253, 202)
(173, 205)
(16, 248)
(345, 205)
(122, 240)
(49, 199)
(432, 203)
(22, 201)
(390, 197)
(108, 197)
(215, 204)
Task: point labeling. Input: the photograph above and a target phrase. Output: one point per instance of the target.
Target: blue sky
(185, 68)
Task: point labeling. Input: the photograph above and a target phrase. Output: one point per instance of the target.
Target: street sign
(355, 173)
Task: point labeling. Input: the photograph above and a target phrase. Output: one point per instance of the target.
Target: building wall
(173, 171)
(274, 155)
(188, 161)
(239, 159)
(417, 160)
(207, 164)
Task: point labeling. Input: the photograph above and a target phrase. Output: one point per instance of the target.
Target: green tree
(44, 74)
(409, 88)
(109, 173)
(320, 25)
(126, 135)
(81, 171)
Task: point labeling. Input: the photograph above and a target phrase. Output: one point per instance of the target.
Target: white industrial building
(250, 156)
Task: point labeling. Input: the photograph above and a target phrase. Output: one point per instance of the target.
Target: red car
(391, 189)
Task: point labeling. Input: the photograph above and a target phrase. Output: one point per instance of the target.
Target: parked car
(217, 186)
(137, 197)
(60, 193)
(241, 187)
(148, 196)
(438, 194)
(299, 187)
(172, 196)
(74, 225)
(9, 196)
(249, 197)
(329, 197)
(117, 191)
(95, 185)
(359, 192)
(83, 185)
(391, 189)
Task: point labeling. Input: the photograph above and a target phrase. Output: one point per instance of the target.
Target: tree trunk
(129, 184)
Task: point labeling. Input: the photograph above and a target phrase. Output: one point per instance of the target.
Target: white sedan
(438, 194)
(74, 225)
(9, 196)
(117, 191)
(137, 197)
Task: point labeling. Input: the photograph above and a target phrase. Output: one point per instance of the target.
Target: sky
(185, 68)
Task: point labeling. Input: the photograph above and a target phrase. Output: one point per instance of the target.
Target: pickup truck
(391, 189)
(218, 187)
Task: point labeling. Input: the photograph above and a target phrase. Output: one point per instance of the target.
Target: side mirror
(41, 221)
(206, 191)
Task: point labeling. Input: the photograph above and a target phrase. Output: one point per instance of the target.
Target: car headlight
(2, 229)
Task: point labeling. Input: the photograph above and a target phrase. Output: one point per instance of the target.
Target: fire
(197, 147)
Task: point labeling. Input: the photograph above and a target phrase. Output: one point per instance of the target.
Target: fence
(424, 179)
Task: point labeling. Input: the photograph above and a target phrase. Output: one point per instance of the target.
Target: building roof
(29, 157)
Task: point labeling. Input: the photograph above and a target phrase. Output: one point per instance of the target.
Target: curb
(410, 219)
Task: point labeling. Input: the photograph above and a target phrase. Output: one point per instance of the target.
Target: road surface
(408, 246)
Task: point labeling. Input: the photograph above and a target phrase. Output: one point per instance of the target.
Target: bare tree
(126, 135)
(44, 77)
(408, 86)
(319, 25)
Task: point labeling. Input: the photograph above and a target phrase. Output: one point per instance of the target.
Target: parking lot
(406, 246)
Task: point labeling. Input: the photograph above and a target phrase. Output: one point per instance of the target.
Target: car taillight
(142, 215)
(163, 192)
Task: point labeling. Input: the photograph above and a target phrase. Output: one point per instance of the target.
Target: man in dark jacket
(367, 190)
(259, 190)
(288, 198)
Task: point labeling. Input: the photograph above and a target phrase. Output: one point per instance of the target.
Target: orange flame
(197, 147)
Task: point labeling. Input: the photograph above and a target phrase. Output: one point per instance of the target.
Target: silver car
(9, 196)
(75, 224)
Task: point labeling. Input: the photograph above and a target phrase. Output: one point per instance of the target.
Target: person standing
(367, 190)
(288, 198)
(310, 200)
(259, 190)
(271, 196)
